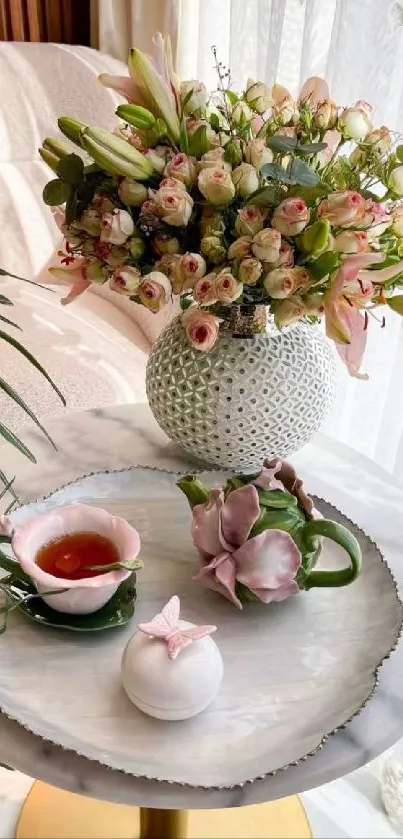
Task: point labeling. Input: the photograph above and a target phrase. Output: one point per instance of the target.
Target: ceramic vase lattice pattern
(248, 398)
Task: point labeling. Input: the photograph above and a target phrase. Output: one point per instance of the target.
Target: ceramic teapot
(259, 537)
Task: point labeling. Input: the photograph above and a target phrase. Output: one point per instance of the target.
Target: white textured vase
(247, 399)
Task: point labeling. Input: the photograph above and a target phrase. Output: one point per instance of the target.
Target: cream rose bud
(380, 138)
(351, 241)
(284, 107)
(125, 281)
(158, 161)
(90, 221)
(202, 328)
(154, 291)
(165, 243)
(286, 256)
(291, 216)
(182, 168)
(173, 205)
(245, 179)
(204, 291)
(192, 266)
(116, 227)
(196, 94)
(214, 158)
(257, 153)
(172, 183)
(250, 271)
(227, 287)
(137, 248)
(241, 248)
(288, 311)
(213, 249)
(282, 282)
(397, 216)
(211, 222)
(395, 181)
(354, 123)
(258, 96)
(325, 115)
(344, 208)
(266, 245)
(132, 193)
(216, 185)
(241, 113)
(250, 220)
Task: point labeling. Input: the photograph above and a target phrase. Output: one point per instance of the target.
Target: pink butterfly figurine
(165, 625)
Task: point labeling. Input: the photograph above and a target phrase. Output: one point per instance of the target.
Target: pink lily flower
(74, 274)
(267, 564)
(344, 323)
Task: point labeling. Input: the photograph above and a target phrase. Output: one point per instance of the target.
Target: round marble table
(125, 436)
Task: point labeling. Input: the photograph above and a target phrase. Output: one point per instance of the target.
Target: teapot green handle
(339, 534)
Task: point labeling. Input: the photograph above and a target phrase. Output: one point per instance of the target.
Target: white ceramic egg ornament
(172, 669)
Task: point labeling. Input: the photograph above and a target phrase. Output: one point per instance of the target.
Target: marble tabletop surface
(125, 436)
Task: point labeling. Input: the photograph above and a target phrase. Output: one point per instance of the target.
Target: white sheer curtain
(358, 46)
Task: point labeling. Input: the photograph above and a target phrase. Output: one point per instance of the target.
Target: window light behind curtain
(358, 46)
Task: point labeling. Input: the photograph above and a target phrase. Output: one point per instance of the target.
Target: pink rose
(282, 282)
(201, 328)
(286, 256)
(228, 288)
(204, 291)
(249, 221)
(266, 245)
(345, 208)
(174, 205)
(291, 216)
(188, 269)
(182, 168)
(126, 281)
(154, 291)
(245, 179)
(172, 183)
(289, 310)
(116, 227)
(351, 241)
(213, 158)
(283, 105)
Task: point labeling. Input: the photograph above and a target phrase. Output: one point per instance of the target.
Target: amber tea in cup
(70, 557)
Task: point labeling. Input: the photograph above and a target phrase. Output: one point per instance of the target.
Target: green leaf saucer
(117, 612)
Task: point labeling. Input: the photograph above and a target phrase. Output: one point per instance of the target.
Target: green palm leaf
(16, 442)
(16, 344)
(9, 322)
(8, 484)
(14, 395)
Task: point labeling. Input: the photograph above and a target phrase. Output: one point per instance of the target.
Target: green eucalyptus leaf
(55, 192)
(71, 169)
(310, 194)
(311, 148)
(396, 303)
(301, 173)
(277, 173)
(324, 264)
(185, 302)
(265, 197)
(280, 144)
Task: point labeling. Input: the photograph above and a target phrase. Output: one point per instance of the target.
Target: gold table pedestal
(51, 813)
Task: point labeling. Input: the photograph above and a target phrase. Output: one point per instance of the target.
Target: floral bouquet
(238, 203)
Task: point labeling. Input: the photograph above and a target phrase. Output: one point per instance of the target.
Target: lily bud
(157, 92)
(51, 159)
(115, 155)
(395, 181)
(135, 115)
(72, 129)
(314, 239)
(241, 113)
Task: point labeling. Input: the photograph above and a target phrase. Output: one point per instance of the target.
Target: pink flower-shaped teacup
(86, 595)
